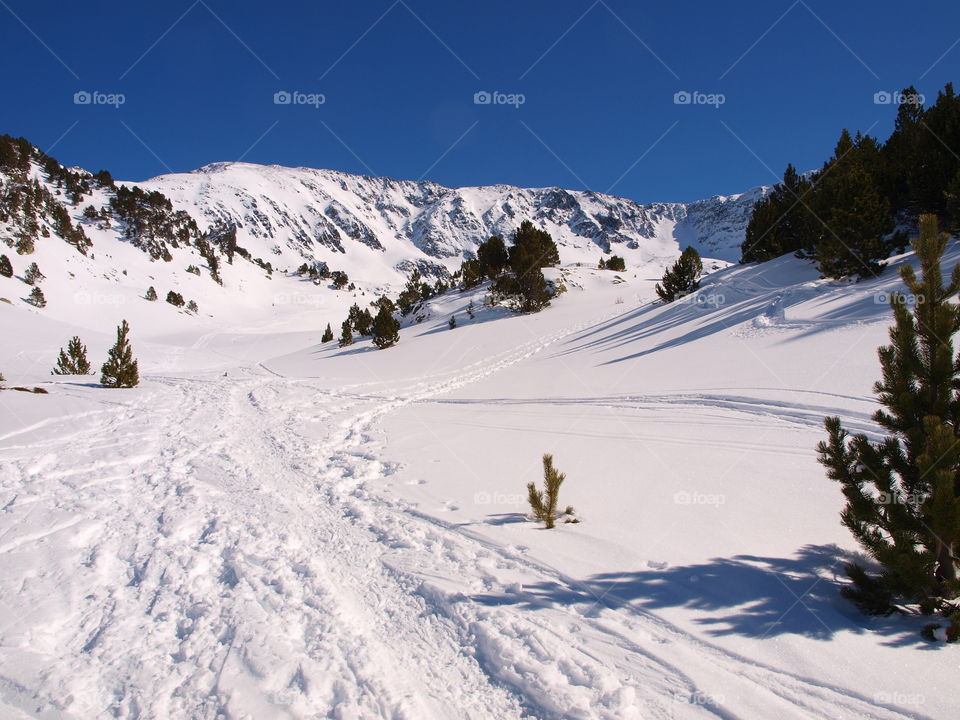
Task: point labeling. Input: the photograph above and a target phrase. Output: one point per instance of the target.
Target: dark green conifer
(74, 360)
(346, 334)
(903, 504)
(683, 278)
(120, 370)
(386, 330)
(36, 298)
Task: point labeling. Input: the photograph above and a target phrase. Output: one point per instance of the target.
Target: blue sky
(398, 81)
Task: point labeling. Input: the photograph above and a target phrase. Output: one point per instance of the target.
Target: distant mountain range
(358, 221)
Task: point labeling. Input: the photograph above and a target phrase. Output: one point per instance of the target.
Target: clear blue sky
(399, 78)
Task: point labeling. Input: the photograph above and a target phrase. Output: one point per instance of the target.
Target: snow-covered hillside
(376, 230)
(268, 527)
(362, 222)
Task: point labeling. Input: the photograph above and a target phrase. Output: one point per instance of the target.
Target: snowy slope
(272, 528)
(375, 229)
(364, 224)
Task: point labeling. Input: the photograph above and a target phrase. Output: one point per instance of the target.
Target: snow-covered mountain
(102, 243)
(360, 221)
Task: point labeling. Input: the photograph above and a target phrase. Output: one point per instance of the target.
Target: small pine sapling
(543, 503)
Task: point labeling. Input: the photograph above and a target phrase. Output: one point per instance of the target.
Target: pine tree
(855, 233)
(452, 323)
(346, 335)
(492, 256)
(544, 503)
(537, 245)
(151, 294)
(360, 320)
(384, 302)
(327, 334)
(471, 310)
(386, 330)
(683, 278)
(120, 370)
(471, 274)
(602, 265)
(193, 307)
(175, 299)
(903, 504)
(6, 269)
(33, 275)
(74, 360)
(36, 298)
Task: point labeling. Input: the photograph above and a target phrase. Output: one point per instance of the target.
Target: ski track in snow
(234, 536)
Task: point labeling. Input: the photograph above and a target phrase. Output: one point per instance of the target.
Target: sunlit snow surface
(272, 528)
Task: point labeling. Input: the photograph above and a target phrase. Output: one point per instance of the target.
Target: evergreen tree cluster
(903, 492)
(29, 207)
(383, 328)
(150, 222)
(120, 369)
(339, 279)
(175, 299)
(316, 271)
(524, 287)
(414, 293)
(614, 262)
(844, 215)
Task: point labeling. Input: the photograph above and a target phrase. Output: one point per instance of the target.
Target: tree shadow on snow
(505, 519)
(743, 595)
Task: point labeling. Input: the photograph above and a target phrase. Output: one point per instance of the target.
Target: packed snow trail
(218, 547)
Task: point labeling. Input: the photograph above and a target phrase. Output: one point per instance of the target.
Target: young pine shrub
(74, 360)
(544, 503)
(36, 298)
(33, 275)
